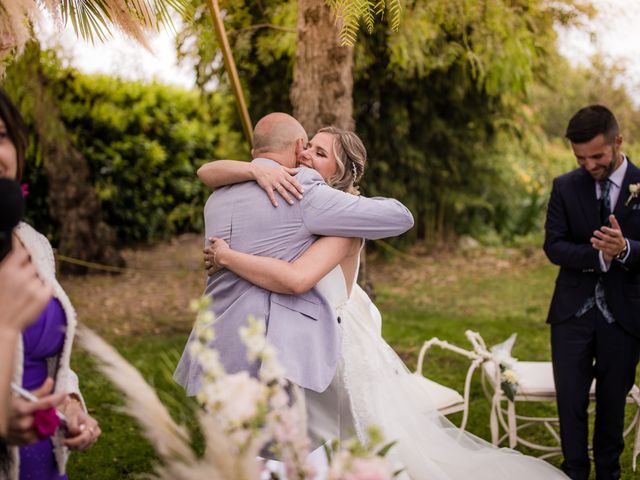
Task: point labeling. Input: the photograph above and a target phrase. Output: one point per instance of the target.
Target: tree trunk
(73, 202)
(322, 88)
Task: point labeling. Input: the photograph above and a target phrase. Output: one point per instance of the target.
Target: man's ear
(618, 141)
(299, 146)
(253, 153)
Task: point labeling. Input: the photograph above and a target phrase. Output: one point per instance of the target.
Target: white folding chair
(446, 399)
(535, 384)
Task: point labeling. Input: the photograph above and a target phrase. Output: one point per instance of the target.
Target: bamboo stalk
(230, 67)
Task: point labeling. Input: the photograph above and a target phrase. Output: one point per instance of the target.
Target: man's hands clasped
(609, 240)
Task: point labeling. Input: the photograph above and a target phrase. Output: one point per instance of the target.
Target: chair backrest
(476, 360)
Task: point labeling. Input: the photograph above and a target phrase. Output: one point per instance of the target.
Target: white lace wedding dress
(383, 392)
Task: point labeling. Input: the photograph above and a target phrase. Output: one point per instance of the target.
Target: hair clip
(354, 169)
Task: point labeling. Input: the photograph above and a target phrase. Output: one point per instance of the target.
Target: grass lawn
(144, 314)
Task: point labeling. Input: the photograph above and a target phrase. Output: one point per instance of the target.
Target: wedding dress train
(383, 392)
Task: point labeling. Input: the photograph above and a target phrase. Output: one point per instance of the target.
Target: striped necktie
(604, 204)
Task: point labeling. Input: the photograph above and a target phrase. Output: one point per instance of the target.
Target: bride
(380, 389)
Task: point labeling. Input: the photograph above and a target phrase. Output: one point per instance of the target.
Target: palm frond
(369, 16)
(91, 19)
(395, 10)
(95, 18)
(349, 13)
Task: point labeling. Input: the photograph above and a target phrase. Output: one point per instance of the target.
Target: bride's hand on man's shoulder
(213, 254)
(278, 179)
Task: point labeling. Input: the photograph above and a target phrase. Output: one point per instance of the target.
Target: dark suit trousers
(583, 349)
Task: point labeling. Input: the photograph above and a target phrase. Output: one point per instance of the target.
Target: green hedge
(143, 144)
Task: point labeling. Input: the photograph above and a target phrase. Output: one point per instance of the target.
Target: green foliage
(143, 144)
(263, 39)
(351, 12)
(440, 104)
(571, 88)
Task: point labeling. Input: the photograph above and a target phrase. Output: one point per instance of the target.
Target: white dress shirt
(616, 179)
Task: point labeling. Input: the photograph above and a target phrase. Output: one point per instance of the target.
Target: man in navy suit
(592, 232)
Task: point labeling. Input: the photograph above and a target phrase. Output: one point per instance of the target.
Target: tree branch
(258, 26)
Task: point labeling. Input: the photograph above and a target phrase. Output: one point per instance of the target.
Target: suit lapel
(631, 176)
(586, 192)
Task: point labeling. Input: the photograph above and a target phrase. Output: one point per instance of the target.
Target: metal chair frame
(505, 423)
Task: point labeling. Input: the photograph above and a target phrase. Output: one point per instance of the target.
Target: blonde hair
(351, 157)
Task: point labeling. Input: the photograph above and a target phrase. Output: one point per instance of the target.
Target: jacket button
(339, 320)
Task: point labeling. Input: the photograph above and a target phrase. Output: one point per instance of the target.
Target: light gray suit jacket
(303, 329)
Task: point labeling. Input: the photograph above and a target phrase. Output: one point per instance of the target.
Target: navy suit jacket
(572, 217)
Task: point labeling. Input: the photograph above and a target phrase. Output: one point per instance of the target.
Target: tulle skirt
(383, 392)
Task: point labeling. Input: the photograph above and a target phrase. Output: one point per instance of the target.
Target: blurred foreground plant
(241, 417)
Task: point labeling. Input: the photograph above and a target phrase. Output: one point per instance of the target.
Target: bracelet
(215, 261)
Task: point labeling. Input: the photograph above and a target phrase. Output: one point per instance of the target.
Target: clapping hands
(609, 240)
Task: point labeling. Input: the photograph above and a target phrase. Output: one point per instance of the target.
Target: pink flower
(25, 190)
(46, 422)
(373, 468)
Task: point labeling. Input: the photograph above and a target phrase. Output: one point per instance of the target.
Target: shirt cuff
(624, 259)
(604, 266)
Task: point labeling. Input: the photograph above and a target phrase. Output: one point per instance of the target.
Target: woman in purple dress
(44, 349)
(23, 295)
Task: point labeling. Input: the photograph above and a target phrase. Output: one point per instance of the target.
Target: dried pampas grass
(219, 462)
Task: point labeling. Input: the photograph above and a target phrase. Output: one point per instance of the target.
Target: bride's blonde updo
(351, 157)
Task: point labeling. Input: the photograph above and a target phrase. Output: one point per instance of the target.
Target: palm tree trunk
(322, 88)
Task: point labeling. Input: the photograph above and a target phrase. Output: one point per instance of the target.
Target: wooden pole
(230, 67)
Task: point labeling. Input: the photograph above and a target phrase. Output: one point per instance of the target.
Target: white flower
(279, 399)
(239, 397)
(205, 334)
(205, 317)
(195, 349)
(510, 376)
(271, 369)
(209, 360)
(340, 466)
(634, 190)
(373, 468)
(198, 304)
(253, 337)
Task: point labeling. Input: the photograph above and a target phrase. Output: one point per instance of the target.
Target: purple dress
(42, 339)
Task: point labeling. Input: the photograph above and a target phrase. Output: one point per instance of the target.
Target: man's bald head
(277, 133)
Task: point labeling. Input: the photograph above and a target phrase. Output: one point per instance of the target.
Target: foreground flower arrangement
(241, 416)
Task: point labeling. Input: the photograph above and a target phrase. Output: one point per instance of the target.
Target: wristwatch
(623, 252)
